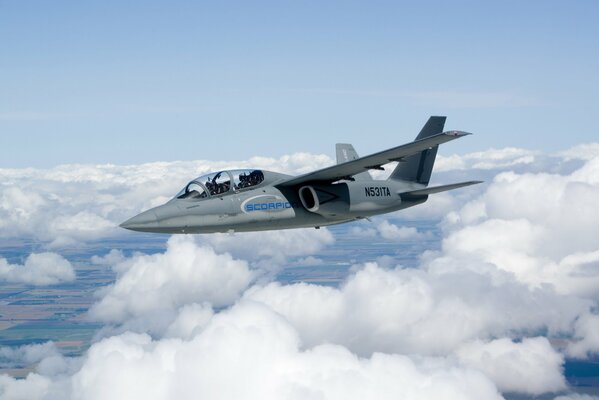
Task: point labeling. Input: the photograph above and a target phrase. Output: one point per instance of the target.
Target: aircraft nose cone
(141, 222)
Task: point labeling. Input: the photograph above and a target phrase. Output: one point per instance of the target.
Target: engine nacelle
(325, 202)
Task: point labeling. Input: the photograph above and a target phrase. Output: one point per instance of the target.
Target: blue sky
(129, 82)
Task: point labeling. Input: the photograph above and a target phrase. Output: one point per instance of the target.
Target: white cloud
(112, 258)
(26, 355)
(270, 248)
(585, 152)
(586, 333)
(588, 173)
(151, 288)
(33, 387)
(531, 366)
(39, 269)
(438, 205)
(305, 338)
(576, 396)
(539, 227)
(486, 160)
(71, 203)
(517, 260)
(363, 231)
(391, 231)
(382, 228)
(251, 352)
(403, 310)
(311, 261)
(191, 319)
(83, 224)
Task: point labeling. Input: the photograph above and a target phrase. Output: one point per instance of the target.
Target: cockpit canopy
(221, 183)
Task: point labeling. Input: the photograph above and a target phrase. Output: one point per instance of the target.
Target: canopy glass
(221, 183)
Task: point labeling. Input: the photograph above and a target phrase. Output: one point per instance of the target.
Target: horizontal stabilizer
(438, 189)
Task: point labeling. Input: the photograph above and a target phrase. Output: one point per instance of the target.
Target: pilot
(210, 187)
(243, 180)
(256, 177)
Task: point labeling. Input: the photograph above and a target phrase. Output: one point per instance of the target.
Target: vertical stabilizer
(418, 167)
(346, 152)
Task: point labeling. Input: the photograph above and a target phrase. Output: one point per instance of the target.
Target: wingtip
(457, 133)
(474, 182)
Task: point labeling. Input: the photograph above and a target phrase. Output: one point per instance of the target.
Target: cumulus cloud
(391, 231)
(489, 159)
(382, 228)
(39, 269)
(539, 227)
(11, 357)
(531, 366)
(586, 152)
(151, 288)
(33, 387)
(195, 270)
(112, 258)
(363, 231)
(190, 320)
(71, 203)
(258, 351)
(517, 260)
(270, 248)
(403, 310)
(249, 351)
(310, 341)
(586, 334)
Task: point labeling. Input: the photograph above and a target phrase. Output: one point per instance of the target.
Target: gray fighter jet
(256, 200)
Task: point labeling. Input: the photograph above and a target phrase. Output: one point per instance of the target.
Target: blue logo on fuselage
(274, 205)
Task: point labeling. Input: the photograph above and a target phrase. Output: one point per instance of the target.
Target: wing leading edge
(373, 161)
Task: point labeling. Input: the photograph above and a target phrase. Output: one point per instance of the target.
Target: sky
(141, 81)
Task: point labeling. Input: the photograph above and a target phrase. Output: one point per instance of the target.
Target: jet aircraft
(255, 200)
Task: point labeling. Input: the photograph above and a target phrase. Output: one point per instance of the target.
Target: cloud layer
(376, 336)
(518, 267)
(71, 203)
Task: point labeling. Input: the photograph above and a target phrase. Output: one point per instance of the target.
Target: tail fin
(418, 167)
(346, 152)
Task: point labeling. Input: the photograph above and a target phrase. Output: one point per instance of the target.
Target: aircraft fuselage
(266, 207)
(255, 200)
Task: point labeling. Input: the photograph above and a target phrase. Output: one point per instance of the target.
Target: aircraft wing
(373, 161)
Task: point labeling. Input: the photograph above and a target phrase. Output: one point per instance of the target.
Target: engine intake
(328, 202)
(309, 198)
